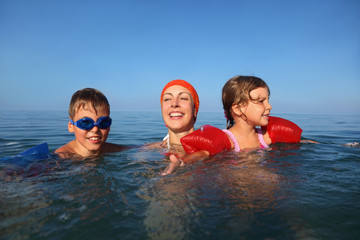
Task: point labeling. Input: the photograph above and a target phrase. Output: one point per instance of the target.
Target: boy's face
(89, 142)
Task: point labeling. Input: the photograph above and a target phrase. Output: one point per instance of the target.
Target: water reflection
(201, 195)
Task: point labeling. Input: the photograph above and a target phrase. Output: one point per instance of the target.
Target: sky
(308, 52)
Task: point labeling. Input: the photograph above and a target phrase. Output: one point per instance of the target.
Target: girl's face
(178, 109)
(89, 142)
(257, 111)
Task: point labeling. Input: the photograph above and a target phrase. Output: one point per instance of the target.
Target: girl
(246, 105)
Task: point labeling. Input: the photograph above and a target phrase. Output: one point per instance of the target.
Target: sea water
(290, 191)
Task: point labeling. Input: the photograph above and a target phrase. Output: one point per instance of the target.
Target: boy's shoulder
(69, 148)
(66, 150)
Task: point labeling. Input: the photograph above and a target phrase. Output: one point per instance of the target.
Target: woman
(179, 107)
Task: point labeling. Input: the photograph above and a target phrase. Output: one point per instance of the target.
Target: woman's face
(178, 109)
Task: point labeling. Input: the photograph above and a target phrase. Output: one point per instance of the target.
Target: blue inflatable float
(29, 163)
(41, 149)
(35, 153)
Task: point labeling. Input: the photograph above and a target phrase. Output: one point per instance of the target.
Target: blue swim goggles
(88, 123)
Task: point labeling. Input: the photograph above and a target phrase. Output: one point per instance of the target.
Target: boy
(89, 113)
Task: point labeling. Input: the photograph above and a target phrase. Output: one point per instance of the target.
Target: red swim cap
(186, 85)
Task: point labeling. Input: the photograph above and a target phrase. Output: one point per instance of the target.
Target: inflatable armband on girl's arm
(206, 138)
(282, 130)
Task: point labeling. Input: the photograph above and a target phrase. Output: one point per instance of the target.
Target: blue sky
(307, 51)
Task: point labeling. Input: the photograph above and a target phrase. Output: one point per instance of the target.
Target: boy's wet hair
(88, 96)
(237, 91)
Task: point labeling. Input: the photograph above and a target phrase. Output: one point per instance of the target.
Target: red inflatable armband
(207, 138)
(282, 130)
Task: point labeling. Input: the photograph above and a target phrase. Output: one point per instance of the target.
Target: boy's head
(88, 98)
(89, 112)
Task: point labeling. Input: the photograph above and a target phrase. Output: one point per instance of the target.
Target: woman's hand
(188, 158)
(174, 163)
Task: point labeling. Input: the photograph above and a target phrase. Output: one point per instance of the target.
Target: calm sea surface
(291, 191)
